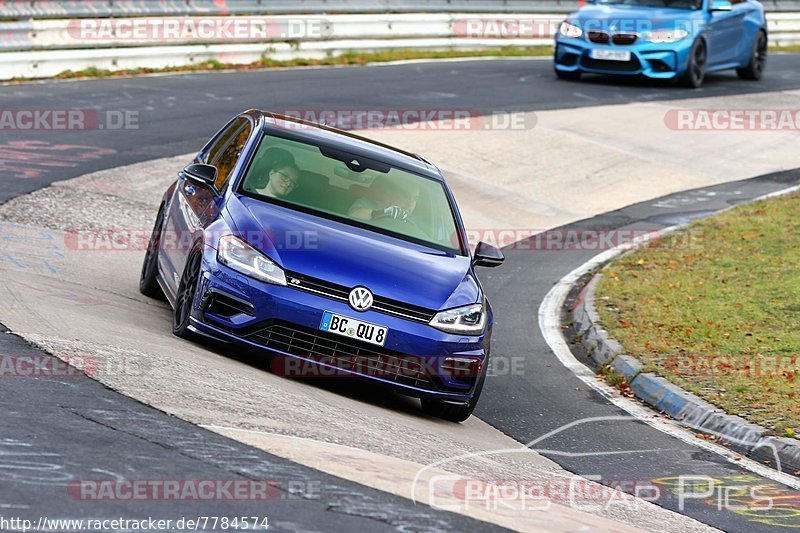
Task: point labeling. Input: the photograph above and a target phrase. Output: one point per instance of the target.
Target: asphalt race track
(177, 114)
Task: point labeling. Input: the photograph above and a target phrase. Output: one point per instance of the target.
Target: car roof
(343, 140)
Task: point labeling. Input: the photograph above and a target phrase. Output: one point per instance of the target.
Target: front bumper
(658, 61)
(284, 321)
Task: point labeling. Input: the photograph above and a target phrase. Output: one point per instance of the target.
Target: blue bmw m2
(679, 40)
(327, 251)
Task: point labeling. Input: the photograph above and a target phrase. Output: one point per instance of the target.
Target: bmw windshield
(352, 189)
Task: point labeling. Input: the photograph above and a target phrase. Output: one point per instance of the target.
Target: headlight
(569, 30)
(467, 320)
(233, 252)
(667, 36)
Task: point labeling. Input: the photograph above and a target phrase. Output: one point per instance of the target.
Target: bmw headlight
(569, 30)
(467, 320)
(667, 36)
(233, 252)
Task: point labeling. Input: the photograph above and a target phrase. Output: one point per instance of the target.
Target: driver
(282, 177)
(391, 200)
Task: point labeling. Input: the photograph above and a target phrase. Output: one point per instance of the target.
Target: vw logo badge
(360, 298)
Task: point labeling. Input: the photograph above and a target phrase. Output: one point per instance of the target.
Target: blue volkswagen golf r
(340, 255)
(679, 40)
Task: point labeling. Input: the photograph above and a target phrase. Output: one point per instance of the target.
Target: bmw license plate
(355, 329)
(610, 55)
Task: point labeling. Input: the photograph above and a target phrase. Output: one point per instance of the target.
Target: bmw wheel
(568, 75)
(186, 291)
(696, 68)
(758, 60)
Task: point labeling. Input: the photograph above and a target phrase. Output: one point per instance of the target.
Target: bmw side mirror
(487, 255)
(721, 5)
(200, 173)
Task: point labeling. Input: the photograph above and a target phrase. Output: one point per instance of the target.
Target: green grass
(349, 58)
(788, 48)
(716, 309)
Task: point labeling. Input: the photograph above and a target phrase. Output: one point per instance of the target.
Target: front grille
(599, 37)
(364, 359)
(624, 39)
(616, 66)
(341, 293)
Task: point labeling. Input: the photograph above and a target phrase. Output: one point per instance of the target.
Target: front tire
(455, 412)
(696, 67)
(185, 298)
(754, 70)
(568, 75)
(148, 280)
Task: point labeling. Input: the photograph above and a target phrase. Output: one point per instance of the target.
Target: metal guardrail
(126, 8)
(16, 36)
(118, 33)
(41, 9)
(110, 33)
(44, 48)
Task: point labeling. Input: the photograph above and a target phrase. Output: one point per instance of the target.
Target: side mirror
(487, 255)
(721, 5)
(200, 173)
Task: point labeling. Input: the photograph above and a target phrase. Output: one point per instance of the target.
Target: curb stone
(668, 398)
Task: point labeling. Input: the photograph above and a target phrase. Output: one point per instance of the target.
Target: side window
(224, 153)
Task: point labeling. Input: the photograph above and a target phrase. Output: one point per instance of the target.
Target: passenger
(282, 177)
(391, 200)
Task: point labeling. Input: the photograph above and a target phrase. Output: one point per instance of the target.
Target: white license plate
(610, 55)
(353, 328)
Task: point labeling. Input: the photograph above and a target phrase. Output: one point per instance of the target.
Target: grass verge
(715, 309)
(349, 58)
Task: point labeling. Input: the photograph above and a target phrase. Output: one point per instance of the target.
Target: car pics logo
(360, 298)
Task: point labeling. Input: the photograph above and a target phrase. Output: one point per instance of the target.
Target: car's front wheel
(148, 280)
(568, 75)
(185, 298)
(696, 67)
(758, 60)
(455, 412)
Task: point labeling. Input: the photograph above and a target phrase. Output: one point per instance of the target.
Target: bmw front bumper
(658, 61)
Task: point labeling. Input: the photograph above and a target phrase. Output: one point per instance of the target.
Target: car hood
(632, 18)
(351, 256)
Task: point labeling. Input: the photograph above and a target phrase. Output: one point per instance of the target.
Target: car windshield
(672, 4)
(353, 189)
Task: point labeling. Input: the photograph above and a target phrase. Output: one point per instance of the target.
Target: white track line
(550, 325)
